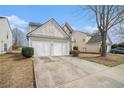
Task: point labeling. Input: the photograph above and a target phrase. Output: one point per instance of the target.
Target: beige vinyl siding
(49, 29)
(80, 39)
(93, 48)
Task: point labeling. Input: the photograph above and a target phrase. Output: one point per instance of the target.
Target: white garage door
(46, 48)
(41, 48)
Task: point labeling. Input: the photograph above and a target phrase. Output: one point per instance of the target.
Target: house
(5, 36)
(49, 39)
(94, 43)
(84, 41)
(33, 25)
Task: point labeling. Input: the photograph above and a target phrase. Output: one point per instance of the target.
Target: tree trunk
(103, 46)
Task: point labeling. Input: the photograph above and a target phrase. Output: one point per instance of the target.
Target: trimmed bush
(27, 52)
(75, 48)
(75, 53)
(114, 46)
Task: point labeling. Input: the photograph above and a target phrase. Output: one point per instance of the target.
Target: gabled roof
(29, 34)
(96, 38)
(34, 24)
(82, 32)
(68, 26)
(2, 17)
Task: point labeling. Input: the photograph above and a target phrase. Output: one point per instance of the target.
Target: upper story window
(83, 40)
(75, 40)
(7, 36)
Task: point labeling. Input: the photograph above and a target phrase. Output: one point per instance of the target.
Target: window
(5, 47)
(7, 36)
(75, 40)
(84, 49)
(83, 40)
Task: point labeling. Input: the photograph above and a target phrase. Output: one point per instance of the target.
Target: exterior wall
(109, 44)
(50, 28)
(93, 48)
(79, 39)
(5, 35)
(108, 48)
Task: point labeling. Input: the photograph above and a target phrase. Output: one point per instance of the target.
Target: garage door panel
(41, 48)
(60, 48)
(65, 48)
(57, 49)
(49, 48)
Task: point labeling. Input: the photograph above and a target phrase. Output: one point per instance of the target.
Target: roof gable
(67, 28)
(96, 38)
(50, 28)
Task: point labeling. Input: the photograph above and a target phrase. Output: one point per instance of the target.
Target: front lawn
(15, 71)
(111, 59)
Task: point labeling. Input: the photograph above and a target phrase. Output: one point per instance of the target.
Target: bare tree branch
(107, 16)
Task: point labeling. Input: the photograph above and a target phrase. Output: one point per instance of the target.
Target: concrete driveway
(76, 73)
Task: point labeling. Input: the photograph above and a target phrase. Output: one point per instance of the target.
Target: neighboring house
(33, 26)
(80, 39)
(5, 36)
(49, 39)
(86, 42)
(94, 43)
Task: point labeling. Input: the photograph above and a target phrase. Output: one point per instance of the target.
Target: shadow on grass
(90, 57)
(16, 57)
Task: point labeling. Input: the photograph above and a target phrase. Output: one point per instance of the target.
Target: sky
(20, 16)
(78, 17)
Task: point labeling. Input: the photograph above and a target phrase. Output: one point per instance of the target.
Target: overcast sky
(78, 18)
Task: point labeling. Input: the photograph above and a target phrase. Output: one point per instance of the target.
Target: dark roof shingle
(34, 24)
(96, 38)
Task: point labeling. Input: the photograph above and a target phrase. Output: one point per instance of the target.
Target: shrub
(70, 52)
(75, 48)
(114, 46)
(121, 45)
(75, 53)
(27, 52)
